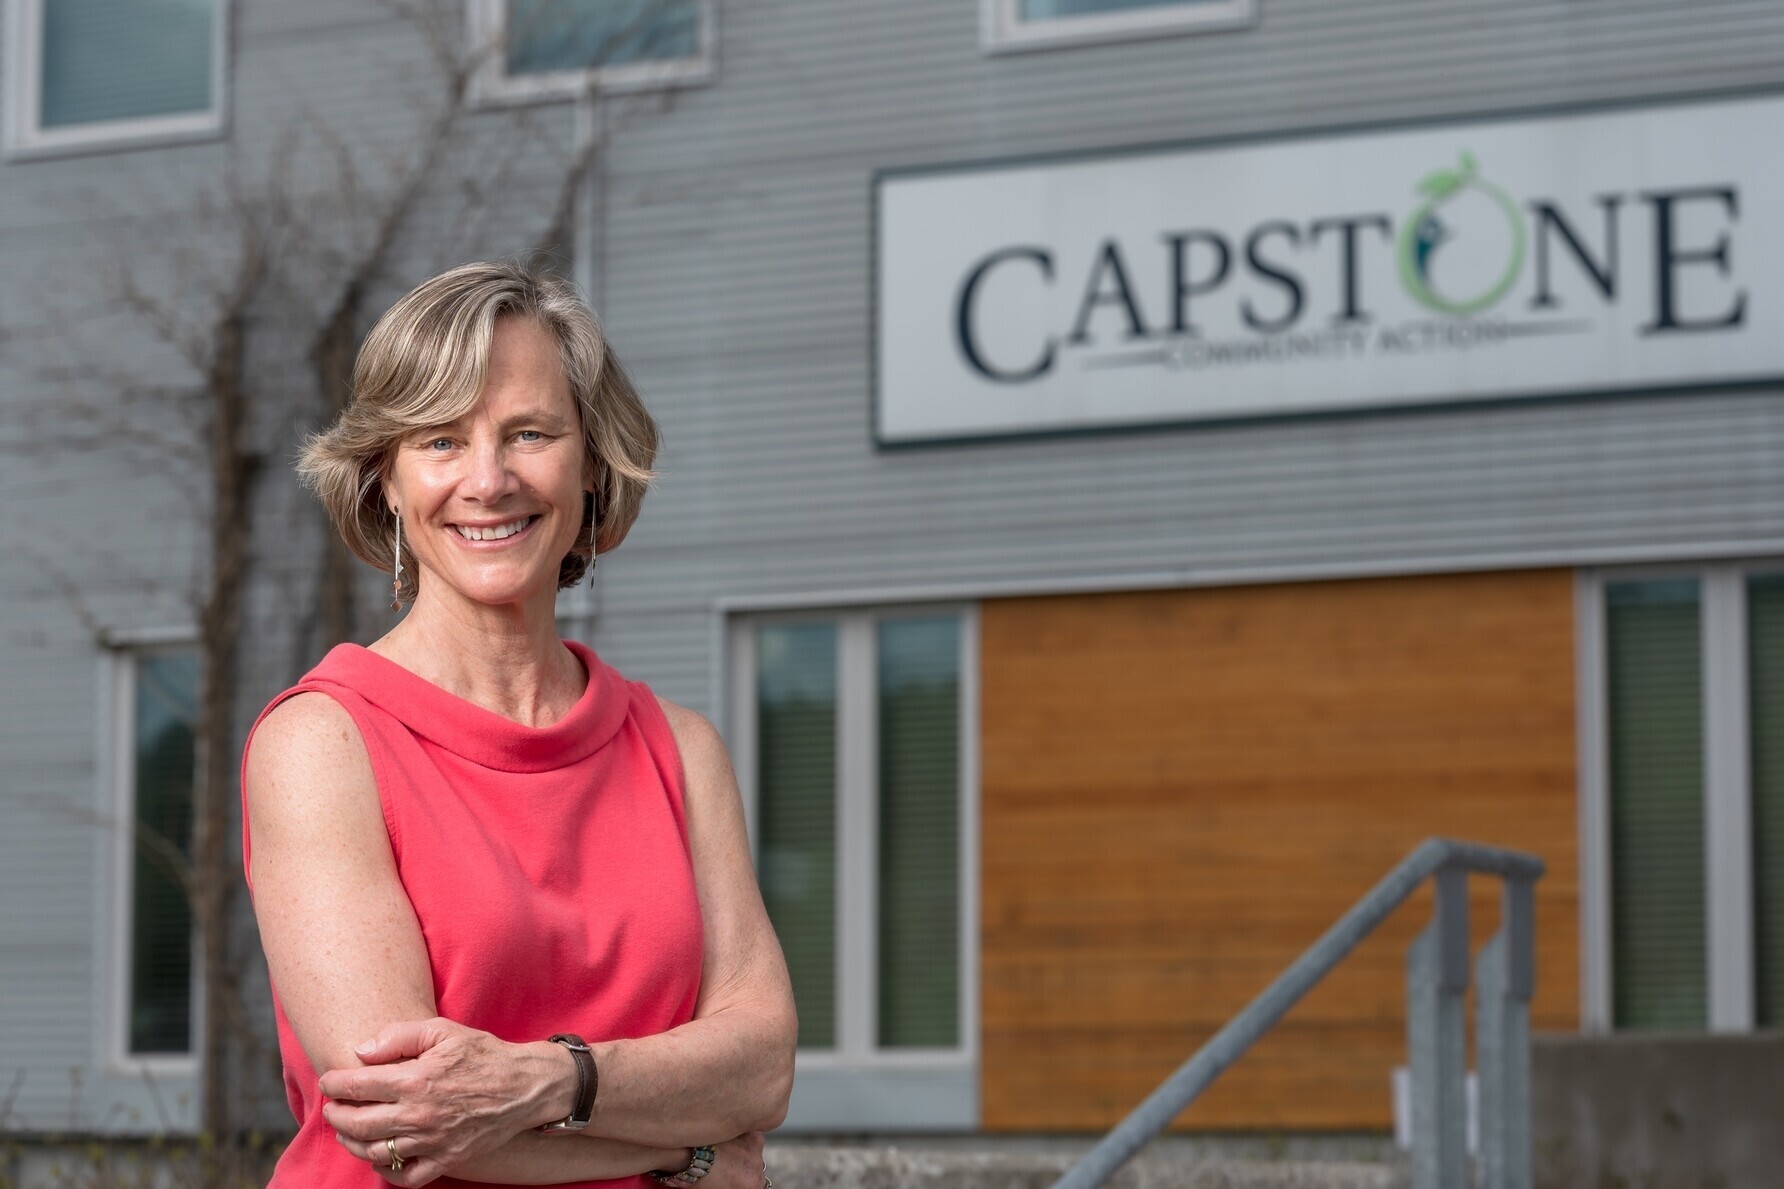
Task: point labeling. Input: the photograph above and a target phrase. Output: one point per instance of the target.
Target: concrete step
(897, 1164)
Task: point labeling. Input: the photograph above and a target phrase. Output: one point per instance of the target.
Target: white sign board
(1615, 251)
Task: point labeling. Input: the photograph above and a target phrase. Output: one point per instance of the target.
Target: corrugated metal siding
(735, 277)
(826, 81)
(732, 258)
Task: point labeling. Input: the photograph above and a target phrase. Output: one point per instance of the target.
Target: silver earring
(594, 524)
(396, 577)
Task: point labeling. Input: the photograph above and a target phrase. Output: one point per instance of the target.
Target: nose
(489, 477)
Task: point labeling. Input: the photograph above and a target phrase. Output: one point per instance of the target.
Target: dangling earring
(396, 577)
(594, 524)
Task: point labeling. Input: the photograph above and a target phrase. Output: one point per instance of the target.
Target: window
(1682, 850)
(1655, 698)
(154, 713)
(854, 740)
(1009, 25)
(557, 49)
(97, 74)
(1765, 700)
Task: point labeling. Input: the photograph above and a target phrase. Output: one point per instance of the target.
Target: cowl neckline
(479, 735)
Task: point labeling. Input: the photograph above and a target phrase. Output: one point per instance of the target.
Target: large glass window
(1037, 24)
(1655, 704)
(898, 677)
(555, 49)
(852, 736)
(157, 770)
(1690, 895)
(1765, 652)
(796, 811)
(549, 36)
(90, 72)
(919, 833)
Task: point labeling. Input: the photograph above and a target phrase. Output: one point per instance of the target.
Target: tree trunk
(332, 357)
(219, 630)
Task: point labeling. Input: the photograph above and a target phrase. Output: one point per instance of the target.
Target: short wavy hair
(424, 364)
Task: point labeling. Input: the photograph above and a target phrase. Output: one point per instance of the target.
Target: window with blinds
(1040, 10)
(161, 771)
(919, 833)
(104, 61)
(1765, 689)
(1023, 24)
(1693, 794)
(553, 36)
(796, 811)
(1653, 634)
(85, 74)
(548, 50)
(857, 782)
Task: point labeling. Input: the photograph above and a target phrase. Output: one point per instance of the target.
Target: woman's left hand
(443, 1094)
(737, 1164)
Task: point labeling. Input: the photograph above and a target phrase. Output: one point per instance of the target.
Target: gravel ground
(890, 1166)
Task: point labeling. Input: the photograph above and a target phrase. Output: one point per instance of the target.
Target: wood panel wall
(1183, 789)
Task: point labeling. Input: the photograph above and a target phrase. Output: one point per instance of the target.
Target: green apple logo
(1455, 196)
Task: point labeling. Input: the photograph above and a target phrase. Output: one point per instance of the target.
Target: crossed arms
(346, 953)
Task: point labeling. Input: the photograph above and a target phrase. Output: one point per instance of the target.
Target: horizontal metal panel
(1316, 62)
(45, 1033)
(1373, 492)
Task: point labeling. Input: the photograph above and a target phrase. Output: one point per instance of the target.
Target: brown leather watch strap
(588, 1080)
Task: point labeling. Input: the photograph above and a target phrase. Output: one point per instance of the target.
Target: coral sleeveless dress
(549, 868)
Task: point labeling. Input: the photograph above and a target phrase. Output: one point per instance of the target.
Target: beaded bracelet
(698, 1167)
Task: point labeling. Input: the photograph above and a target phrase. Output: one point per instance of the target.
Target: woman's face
(492, 502)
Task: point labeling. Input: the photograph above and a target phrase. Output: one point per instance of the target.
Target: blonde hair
(424, 364)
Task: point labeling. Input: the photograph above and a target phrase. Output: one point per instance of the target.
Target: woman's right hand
(444, 1094)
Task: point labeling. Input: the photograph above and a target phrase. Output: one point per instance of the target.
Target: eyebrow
(543, 420)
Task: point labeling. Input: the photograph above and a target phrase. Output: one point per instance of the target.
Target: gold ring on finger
(396, 1162)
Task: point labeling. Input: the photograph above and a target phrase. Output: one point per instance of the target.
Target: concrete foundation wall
(1659, 1112)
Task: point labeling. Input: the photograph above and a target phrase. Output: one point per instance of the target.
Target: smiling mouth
(495, 532)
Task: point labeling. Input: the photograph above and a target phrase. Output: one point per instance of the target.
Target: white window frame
(1002, 30)
(492, 85)
(25, 136)
(858, 1085)
(117, 858)
(1727, 783)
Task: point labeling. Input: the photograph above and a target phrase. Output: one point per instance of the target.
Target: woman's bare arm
(347, 956)
(728, 1071)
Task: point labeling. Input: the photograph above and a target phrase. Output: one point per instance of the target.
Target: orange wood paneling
(1183, 789)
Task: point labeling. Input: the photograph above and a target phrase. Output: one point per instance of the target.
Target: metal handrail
(1437, 979)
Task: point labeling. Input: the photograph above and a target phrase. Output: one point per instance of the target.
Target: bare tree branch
(251, 274)
(557, 235)
(69, 590)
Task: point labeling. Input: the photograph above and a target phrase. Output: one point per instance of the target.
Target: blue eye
(439, 443)
(530, 435)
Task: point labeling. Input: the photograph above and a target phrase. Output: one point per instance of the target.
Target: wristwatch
(586, 1082)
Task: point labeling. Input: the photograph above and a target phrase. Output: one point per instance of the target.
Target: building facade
(1132, 470)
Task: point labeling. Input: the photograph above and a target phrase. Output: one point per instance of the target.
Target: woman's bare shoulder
(308, 745)
(702, 749)
(690, 724)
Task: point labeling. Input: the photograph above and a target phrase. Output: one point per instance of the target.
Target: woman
(505, 895)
